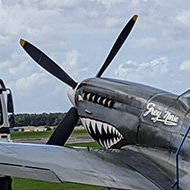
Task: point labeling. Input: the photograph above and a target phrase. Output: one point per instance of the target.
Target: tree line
(43, 119)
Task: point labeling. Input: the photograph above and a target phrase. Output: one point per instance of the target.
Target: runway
(75, 139)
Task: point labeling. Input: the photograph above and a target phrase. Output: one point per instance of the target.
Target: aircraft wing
(81, 165)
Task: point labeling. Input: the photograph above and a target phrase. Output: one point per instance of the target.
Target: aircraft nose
(71, 95)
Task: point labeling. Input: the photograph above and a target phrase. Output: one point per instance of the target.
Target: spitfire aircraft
(143, 132)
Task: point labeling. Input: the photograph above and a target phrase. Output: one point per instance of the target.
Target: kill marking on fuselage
(158, 116)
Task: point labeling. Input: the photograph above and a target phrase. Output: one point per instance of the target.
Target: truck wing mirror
(10, 107)
(12, 121)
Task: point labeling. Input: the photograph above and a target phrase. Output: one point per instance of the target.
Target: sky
(78, 35)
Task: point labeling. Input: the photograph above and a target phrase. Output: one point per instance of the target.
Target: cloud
(4, 40)
(185, 66)
(141, 71)
(184, 17)
(71, 58)
(153, 73)
(28, 83)
(178, 26)
(144, 42)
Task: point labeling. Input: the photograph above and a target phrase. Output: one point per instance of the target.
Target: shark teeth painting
(105, 134)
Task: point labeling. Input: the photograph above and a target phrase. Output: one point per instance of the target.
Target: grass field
(44, 134)
(27, 184)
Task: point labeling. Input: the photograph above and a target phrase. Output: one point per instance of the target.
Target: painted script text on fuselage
(158, 116)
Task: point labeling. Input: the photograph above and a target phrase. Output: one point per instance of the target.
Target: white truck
(6, 122)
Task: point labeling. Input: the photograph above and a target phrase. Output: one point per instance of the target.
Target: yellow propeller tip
(135, 17)
(22, 42)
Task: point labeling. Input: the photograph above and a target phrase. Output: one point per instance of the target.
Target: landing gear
(5, 183)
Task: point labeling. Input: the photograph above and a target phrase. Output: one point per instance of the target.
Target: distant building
(29, 129)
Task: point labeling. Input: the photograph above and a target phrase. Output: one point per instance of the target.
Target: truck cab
(6, 122)
(6, 112)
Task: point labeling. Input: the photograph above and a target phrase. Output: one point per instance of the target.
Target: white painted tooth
(108, 143)
(112, 143)
(105, 144)
(118, 139)
(113, 131)
(109, 129)
(100, 141)
(114, 140)
(99, 125)
(88, 122)
(84, 123)
(93, 124)
(118, 133)
(105, 128)
(89, 129)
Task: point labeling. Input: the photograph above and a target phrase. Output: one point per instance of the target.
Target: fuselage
(118, 113)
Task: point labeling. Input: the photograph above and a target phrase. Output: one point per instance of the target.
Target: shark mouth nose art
(105, 134)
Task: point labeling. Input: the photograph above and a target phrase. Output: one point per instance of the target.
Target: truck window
(1, 114)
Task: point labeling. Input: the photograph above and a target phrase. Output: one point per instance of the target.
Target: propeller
(67, 124)
(119, 42)
(45, 62)
(64, 128)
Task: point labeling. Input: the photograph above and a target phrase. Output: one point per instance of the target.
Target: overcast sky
(78, 34)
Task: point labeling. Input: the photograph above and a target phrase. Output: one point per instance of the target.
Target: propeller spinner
(67, 124)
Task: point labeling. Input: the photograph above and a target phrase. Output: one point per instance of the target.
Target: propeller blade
(64, 128)
(119, 42)
(45, 62)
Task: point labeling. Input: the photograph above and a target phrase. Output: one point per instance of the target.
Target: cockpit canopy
(185, 99)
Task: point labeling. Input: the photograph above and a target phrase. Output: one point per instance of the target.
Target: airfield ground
(41, 137)
(72, 139)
